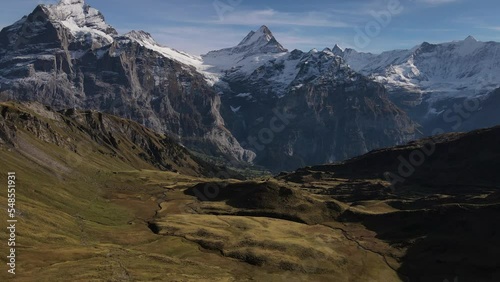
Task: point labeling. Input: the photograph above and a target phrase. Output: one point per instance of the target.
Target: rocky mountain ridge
(460, 68)
(428, 79)
(65, 56)
(86, 135)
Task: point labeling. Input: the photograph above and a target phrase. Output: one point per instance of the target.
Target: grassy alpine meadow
(96, 210)
(94, 197)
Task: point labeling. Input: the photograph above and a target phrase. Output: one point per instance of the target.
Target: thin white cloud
(438, 2)
(497, 28)
(425, 29)
(273, 17)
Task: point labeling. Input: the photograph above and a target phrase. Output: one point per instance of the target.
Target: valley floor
(101, 211)
(99, 228)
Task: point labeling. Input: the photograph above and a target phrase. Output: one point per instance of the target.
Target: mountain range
(256, 102)
(134, 161)
(428, 79)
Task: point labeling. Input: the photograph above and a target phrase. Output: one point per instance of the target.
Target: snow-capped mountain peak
(327, 51)
(257, 42)
(453, 69)
(141, 37)
(77, 15)
(72, 2)
(263, 33)
(470, 38)
(81, 20)
(255, 50)
(337, 50)
(261, 38)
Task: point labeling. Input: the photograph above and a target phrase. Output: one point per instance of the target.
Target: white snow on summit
(459, 68)
(261, 40)
(255, 50)
(81, 20)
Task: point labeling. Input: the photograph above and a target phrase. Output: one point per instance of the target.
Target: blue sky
(198, 26)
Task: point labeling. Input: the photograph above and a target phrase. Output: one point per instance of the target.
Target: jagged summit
(327, 50)
(71, 2)
(70, 22)
(141, 36)
(461, 68)
(79, 17)
(337, 50)
(263, 34)
(261, 41)
(470, 38)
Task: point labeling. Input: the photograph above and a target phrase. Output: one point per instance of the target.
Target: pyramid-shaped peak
(258, 42)
(337, 50)
(261, 40)
(265, 30)
(262, 35)
(470, 38)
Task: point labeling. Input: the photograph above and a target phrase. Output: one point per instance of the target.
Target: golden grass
(83, 216)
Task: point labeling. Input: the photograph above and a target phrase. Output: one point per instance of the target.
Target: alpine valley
(139, 162)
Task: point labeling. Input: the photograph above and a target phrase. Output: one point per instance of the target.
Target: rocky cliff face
(93, 137)
(66, 56)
